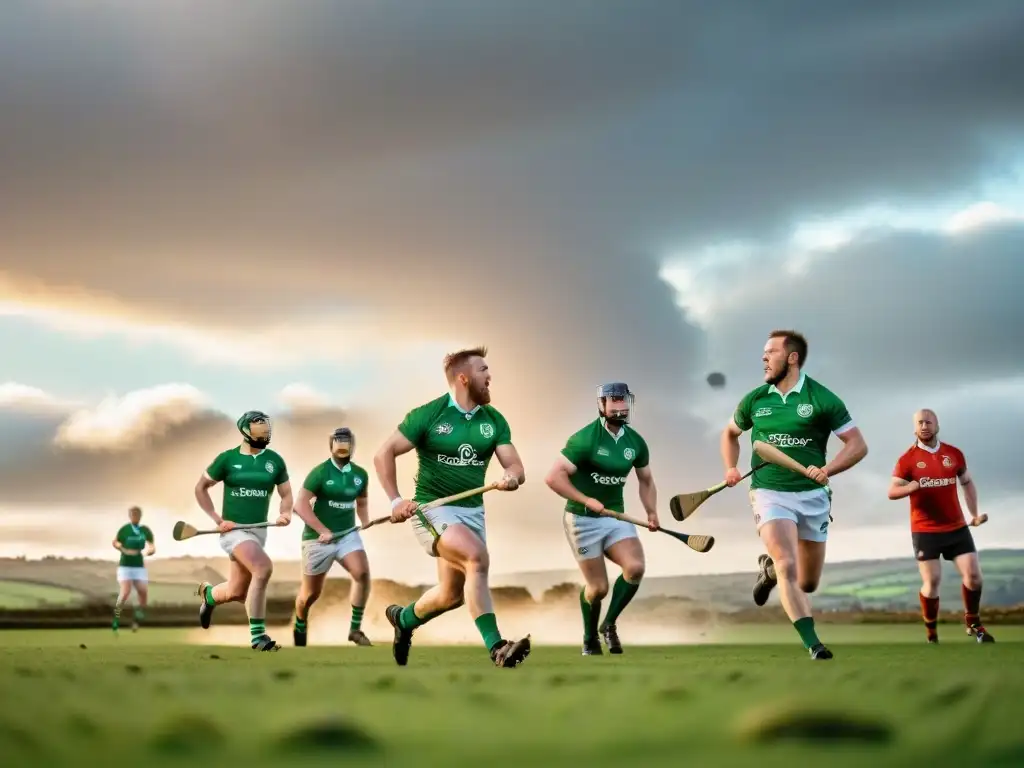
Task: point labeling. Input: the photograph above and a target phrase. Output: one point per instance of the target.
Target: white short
(231, 539)
(591, 537)
(808, 509)
(318, 558)
(441, 517)
(129, 573)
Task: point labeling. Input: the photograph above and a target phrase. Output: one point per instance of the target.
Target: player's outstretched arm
(304, 509)
(558, 481)
(508, 457)
(854, 449)
(900, 488)
(386, 466)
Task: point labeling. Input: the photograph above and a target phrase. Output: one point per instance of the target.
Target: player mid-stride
(133, 541)
(796, 414)
(590, 475)
(928, 473)
(250, 473)
(454, 436)
(330, 535)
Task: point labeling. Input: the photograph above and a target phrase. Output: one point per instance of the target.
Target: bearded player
(454, 436)
(927, 473)
(330, 535)
(250, 472)
(134, 541)
(590, 475)
(796, 414)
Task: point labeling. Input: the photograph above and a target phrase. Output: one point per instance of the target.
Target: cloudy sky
(300, 209)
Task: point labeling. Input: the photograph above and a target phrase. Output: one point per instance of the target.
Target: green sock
(139, 614)
(117, 615)
(408, 618)
(300, 625)
(805, 627)
(357, 618)
(591, 614)
(488, 625)
(257, 629)
(208, 595)
(622, 593)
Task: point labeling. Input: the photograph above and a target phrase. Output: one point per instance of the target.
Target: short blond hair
(454, 361)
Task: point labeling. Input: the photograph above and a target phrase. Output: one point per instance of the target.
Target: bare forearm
(560, 483)
(206, 504)
(849, 455)
(387, 471)
(649, 497)
(517, 471)
(287, 504)
(729, 447)
(363, 512)
(971, 497)
(305, 512)
(897, 492)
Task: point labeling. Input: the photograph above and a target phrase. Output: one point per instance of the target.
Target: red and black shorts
(945, 544)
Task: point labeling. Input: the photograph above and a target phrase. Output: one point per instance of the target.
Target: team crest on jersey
(921, 465)
(762, 412)
(804, 410)
(444, 429)
(329, 482)
(269, 466)
(947, 462)
(357, 481)
(628, 454)
(487, 429)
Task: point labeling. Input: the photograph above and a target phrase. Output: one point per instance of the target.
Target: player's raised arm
(386, 466)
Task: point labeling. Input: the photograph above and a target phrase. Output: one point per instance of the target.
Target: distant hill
(861, 585)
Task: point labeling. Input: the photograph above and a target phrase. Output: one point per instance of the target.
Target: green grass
(896, 701)
(23, 594)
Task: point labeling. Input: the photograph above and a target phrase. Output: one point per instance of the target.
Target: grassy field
(23, 594)
(74, 697)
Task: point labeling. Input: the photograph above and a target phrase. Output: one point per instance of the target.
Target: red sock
(972, 604)
(930, 614)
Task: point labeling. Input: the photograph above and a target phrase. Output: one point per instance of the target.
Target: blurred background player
(927, 473)
(133, 541)
(590, 475)
(796, 414)
(339, 486)
(250, 472)
(454, 436)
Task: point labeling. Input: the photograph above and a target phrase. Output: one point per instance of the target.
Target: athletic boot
(403, 637)
(611, 639)
(264, 643)
(298, 637)
(358, 637)
(592, 647)
(510, 653)
(980, 633)
(205, 610)
(819, 652)
(766, 579)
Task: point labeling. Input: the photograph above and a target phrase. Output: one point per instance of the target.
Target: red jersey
(935, 506)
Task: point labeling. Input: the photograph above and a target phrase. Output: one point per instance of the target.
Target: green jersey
(799, 423)
(249, 481)
(453, 447)
(603, 462)
(336, 490)
(133, 537)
